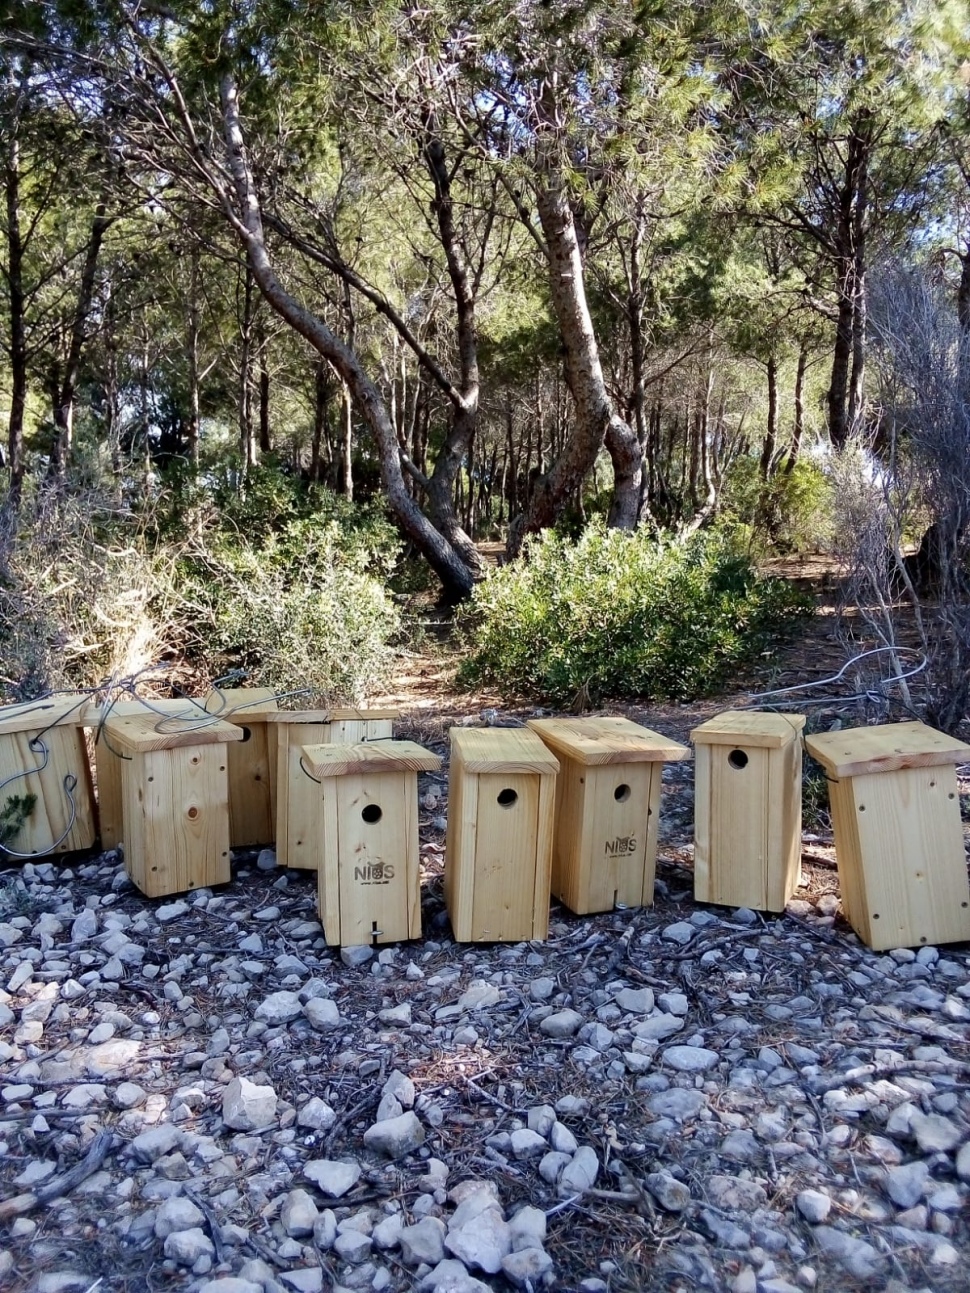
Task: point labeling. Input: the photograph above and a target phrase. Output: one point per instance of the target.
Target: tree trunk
(455, 575)
(771, 431)
(244, 402)
(18, 334)
(798, 430)
(321, 401)
(845, 395)
(837, 397)
(347, 446)
(963, 291)
(464, 416)
(265, 433)
(192, 358)
(596, 419)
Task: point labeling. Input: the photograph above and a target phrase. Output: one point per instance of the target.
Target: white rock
(389, 1107)
(905, 1184)
(482, 1241)
(387, 1233)
(299, 1214)
(562, 1139)
(680, 932)
(657, 1027)
(307, 1279)
(564, 1023)
(316, 1114)
(679, 1103)
(813, 1205)
(935, 1133)
(187, 1246)
(331, 1177)
(396, 1137)
(424, 1242)
(674, 1003)
(396, 1016)
(85, 1096)
(84, 927)
(352, 1246)
(128, 1095)
(580, 1174)
(171, 911)
(325, 1230)
(690, 1059)
(527, 1268)
(634, 1001)
(450, 1276)
(355, 957)
(279, 1008)
(401, 1087)
(963, 1162)
(552, 1165)
(248, 1107)
(322, 1013)
(479, 995)
(858, 1257)
(230, 1284)
(156, 1142)
(541, 1118)
(527, 1144)
(528, 1228)
(177, 1214)
(671, 1194)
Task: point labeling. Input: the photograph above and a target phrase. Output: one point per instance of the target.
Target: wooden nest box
(498, 856)
(175, 800)
(43, 755)
(898, 832)
(748, 809)
(607, 806)
(108, 762)
(252, 762)
(297, 815)
(366, 804)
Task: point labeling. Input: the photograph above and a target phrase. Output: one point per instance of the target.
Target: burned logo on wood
(621, 846)
(374, 873)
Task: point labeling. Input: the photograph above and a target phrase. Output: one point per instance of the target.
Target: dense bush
(790, 512)
(615, 614)
(83, 596)
(290, 588)
(304, 608)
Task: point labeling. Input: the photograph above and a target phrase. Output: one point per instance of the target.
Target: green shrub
(621, 615)
(91, 590)
(793, 511)
(304, 608)
(83, 596)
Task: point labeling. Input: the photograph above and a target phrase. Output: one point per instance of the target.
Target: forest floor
(670, 1098)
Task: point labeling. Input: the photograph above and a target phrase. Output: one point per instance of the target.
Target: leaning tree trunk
(454, 573)
(596, 419)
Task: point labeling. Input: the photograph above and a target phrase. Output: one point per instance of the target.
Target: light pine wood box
(175, 801)
(898, 833)
(298, 841)
(748, 808)
(369, 880)
(252, 762)
(54, 725)
(498, 852)
(607, 806)
(108, 762)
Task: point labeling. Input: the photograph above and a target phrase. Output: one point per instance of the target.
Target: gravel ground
(198, 1094)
